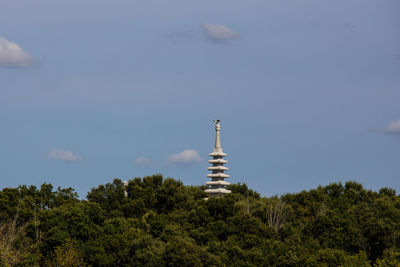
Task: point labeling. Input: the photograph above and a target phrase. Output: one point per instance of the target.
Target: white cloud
(393, 128)
(186, 157)
(218, 33)
(63, 155)
(142, 161)
(11, 55)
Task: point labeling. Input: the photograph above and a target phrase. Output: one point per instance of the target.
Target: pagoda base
(217, 191)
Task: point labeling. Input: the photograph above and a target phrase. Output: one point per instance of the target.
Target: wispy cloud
(63, 155)
(142, 161)
(218, 33)
(186, 157)
(393, 128)
(12, 56)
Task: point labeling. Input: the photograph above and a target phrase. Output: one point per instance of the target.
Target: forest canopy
(156, 221)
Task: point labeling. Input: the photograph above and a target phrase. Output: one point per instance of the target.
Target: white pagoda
(217, 185)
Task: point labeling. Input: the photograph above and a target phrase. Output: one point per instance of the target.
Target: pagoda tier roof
(217, 191)
(217, 154)
(222, 182)
(220, 168)
(218, 175)
(218, 161)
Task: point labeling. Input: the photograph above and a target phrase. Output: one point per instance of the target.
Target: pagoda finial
(217, 147)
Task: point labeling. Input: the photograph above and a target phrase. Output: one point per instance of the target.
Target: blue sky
(307, 91)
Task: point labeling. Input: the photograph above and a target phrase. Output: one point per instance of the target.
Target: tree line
(156, 221)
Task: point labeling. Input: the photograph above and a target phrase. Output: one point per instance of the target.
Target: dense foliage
(161, 222)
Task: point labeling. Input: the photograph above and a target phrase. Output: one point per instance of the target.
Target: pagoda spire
(217, 147)
(217, 185)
